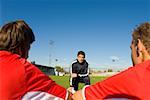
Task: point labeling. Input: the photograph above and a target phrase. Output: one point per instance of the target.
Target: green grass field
(64, 80)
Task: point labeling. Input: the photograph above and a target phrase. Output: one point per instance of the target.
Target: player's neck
(146, 56)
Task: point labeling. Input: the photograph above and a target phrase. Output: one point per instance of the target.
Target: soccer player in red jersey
(19, 79)
(133, 83)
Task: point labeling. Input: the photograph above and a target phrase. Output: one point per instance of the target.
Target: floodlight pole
(51, 43)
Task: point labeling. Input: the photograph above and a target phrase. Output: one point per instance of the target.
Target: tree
(110, 70)
(33, 62)
(59, 69)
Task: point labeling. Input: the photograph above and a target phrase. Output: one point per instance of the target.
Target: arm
(40, 86)
(116, 86)
(88, 69)
(73, 71)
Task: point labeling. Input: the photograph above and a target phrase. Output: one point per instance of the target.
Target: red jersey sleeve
(20, 80)
(40, 86)
(127, 84)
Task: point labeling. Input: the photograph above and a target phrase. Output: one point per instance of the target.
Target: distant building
(46, 69)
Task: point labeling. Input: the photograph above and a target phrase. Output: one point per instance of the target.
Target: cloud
(114, 58)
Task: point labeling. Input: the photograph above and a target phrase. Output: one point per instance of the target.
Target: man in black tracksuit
(79, 71)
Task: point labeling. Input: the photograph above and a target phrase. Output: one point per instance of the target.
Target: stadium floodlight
(114, 58)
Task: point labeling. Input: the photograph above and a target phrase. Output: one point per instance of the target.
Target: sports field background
(64, 80)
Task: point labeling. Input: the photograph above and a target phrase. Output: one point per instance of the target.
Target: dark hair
(16, 35)
(142, 32)
(81, 53)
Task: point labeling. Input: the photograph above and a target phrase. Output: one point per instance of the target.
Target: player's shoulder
(86, 62)
(74, 62)
(27, 66)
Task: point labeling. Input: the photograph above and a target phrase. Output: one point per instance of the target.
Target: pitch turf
(64, 80)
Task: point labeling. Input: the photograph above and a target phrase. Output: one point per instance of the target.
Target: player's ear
(140, 51)
(143, 52)
(140, 45)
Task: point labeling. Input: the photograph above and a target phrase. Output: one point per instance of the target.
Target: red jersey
(133, 83)
(20, 80)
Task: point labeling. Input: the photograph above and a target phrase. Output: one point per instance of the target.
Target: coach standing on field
(79, 71)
